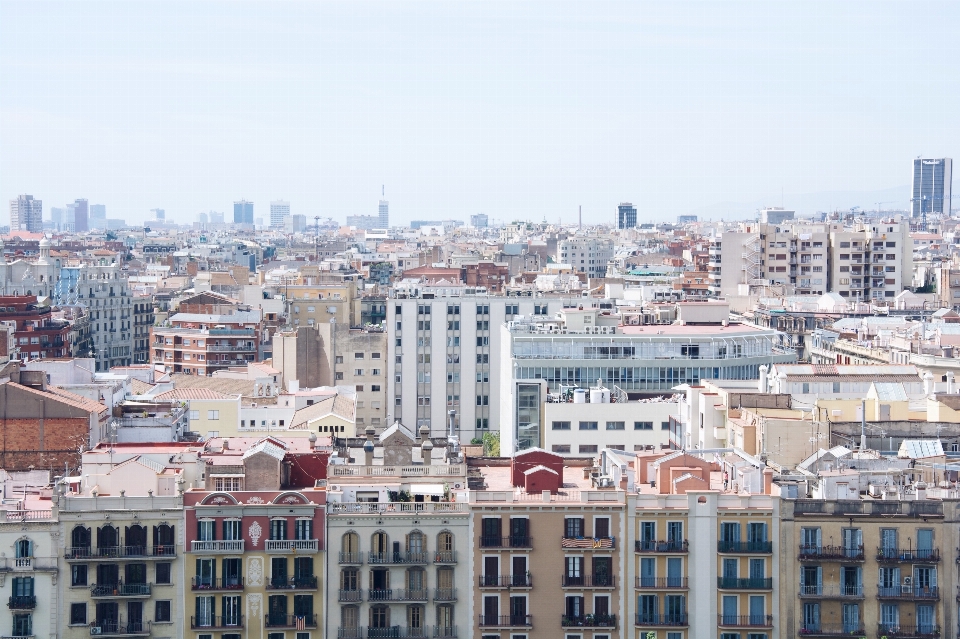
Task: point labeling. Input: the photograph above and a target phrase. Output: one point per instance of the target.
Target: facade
(626, 216)
(81, 215)
(588, 255)
(26, 214)
(872, 262)
(40, 277)
(383, 215)
(29, 573)
(202, 351)
(357, 359)
(871, 566)
(143, 318)
(932, 187)
(479, 221)
(122, 564)
(243, 212)
(279, 212)
(103, 290)
(38, 334)
(775, 215)
(442, 356)
(574, 429)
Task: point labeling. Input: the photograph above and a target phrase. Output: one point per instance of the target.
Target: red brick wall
(62, 438)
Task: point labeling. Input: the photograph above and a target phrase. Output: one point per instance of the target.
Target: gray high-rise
(932, 178)
(384, 214)
(80, 216)
(26, 214)
(243, 212)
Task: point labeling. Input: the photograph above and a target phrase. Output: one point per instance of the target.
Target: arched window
(416, 547)
(445, 551)
(350, 549)
(164, 540)
(379, 547)
(135, 539)
(416, 583)
(24, 548)
(108, 540)
(80, 542)
(445, 622)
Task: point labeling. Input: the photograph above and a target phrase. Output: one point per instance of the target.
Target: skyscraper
(26, 214)
(243, 212)
(80, 216)
(384, 214)
(98, 216)
(159, 214)
(626, 216)
(932, 178)
(57, 215)
(279, 212)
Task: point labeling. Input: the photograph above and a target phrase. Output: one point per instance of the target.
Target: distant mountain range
(806, 204)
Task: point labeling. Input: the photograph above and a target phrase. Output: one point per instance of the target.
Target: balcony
(506, 621)
(225, 583)
(588, 621)
(588, 543)
(925, 631)
(22, 602)
(217, 546)
(290, 621)
(506, 581)
(120, 629)
(350, 595)
(830, 553)
(444, 594)
(445, 632)
(291, 545)
(351, 558)
(507, 542)
(445, 557)
(744, 583)
(921, 593)
(396, 631)
(349, 633)
(910, 555)
(832, 592)
(673, 546)
(397, 594)
(588, 581)
(305, 582)
(831, 630)
(210, 622)
(112, 553)
(744, 546)
(745, 621)
(662, 583)
(102, 591)
(398, 557)
(650, 620)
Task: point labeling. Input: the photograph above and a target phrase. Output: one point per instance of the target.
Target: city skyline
(516, 111)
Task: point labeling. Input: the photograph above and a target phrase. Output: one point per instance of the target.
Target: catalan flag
(301, 623)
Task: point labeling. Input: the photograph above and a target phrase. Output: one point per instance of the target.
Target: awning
(427, 489)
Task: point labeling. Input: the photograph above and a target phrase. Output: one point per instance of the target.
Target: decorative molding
(255, 531)
(255, 500)
(255, 573)
(254, 605)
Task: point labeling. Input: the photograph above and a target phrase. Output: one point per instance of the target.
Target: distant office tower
(279, 212)
(932, 179)
(26, 214)
(295, 224)
(363, 222)
(216, 218)
(479, 221)
(243, 212)
(80, 216)
(158, 214)
(626, 216)
(384, 213)
(57, 216)
(202, 218)
(686, 219)
(98, 212)
(775, 215)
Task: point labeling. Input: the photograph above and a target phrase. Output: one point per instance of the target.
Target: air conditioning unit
(907, 581)
(95, 630)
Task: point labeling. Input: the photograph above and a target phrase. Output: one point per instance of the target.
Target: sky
(520, 110)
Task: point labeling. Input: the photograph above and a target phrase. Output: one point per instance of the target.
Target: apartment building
(29, 569)
(357, 358)
(255, 542)
(547, 553)
(870, 567)
(871, 262)
(705, 553)
(589, 255)
(102, 289)
(143, 318)
(444, 346)
(38, 333)
(200, 344)
(403, 533)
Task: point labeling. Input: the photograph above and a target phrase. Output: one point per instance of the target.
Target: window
(78, 575)
(585, 448)
(78, 614)
(213, 414)
(358, 372)
(162, 612)
(561, 448)
(616, 426)
(375, 388)
(22, 625)
(642, 425)
(194, 414)
(374, 355)
(163, 573)
(359, 388)
(561, 425)
(588, 425)
(358, 356)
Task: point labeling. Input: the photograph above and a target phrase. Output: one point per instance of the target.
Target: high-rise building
(588, 255)
(216, 218)
(776, 215)
(26, 214)
(98, 212)
(80, 216)
(295, 223)
(202, 218)
(479, 221)
(932, 179)
(626, 216)
(158, 214)
(384, 214)
(279, 212)
(57, 216)
(243, 212)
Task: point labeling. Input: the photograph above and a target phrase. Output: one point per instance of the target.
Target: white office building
(279, 212)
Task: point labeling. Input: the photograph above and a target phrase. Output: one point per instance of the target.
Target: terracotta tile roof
(139, 388)
(193, 393)
(64, 397)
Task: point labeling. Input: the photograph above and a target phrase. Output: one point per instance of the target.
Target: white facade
(29, 573)
(589, 255)
(26, 214)
(38, 277)
(279, 212)
(578, 430)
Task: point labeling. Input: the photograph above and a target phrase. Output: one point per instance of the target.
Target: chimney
(37, 380)
(427, 451)
(949, 382)
(763, 378)
(767, 480)
(368, 446)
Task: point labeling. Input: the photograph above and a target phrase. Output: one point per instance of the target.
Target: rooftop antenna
(863, 424)
(580, 207)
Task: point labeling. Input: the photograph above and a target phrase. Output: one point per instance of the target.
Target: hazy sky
(514, 109)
